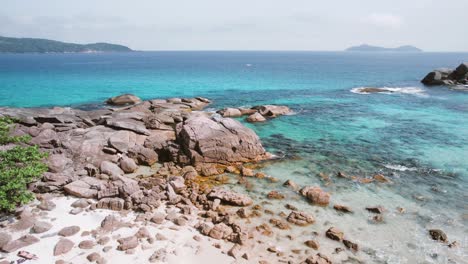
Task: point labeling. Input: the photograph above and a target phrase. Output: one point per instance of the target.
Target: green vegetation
(25, 45)
(19, 166)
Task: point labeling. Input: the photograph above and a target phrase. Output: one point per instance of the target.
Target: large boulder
(316, 195)
(437, 77)
(111, 169)
(459, 76)
(58, 162)
(272, 110)
(256, 117)
(230, 197)
(230, 112)
(21, 242)
(219, 140)
(124, 99)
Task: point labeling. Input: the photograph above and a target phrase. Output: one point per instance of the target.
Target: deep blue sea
(416, 135)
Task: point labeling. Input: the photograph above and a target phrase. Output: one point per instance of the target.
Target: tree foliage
(19, 166)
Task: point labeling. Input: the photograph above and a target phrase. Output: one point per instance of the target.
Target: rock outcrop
(459, 76)
(124, 99)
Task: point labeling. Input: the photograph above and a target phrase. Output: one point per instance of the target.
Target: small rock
(275, 195)
(93, 257)
(246, 172)
(381, 178)
(342, 208)
(86, 244)
(47, 205)
(351, 245)
(81, 203)
(41, 227)
(300, 218)
(312, 244)
(376, 209)
(234, 251)
(63, 246)
(437, 234)
(127, 243)
(128, 165)
(316, 195)
(69, 231)
(318, 259)
(291, 185)
(335, 234)
(4, 239)
(21, 242)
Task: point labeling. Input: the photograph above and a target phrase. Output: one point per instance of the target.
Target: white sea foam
(399, 167)
(391, 90)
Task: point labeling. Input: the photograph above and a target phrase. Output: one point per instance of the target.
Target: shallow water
(417, 136)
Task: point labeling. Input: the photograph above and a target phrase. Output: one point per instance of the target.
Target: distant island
(369, 48)
(35, 45)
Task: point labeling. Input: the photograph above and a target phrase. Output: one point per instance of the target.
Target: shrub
(19, 166)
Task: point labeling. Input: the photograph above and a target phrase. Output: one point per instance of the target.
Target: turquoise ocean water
(417, 136)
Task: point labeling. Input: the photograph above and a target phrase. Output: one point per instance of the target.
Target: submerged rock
(335, 234)
(316, 195)
(300, 218)
(437, 234)
(256, 117)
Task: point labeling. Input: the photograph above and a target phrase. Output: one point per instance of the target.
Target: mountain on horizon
(369, 48)
(36, 45)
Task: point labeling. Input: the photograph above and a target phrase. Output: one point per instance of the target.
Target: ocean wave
(389, 90)
(399, 167)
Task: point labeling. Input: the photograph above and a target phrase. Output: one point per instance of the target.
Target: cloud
(384, 20)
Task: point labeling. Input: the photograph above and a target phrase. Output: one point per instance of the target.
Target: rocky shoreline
(458, 76)
(151, 171)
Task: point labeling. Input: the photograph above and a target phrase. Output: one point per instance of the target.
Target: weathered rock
(58, 162)
(41, 227)
(376, 209)
(318, 259)
(158, 256)
(80, 189)
(47, 205)
(335, 234)
(178, 184)
(63, 246)
(230, 112)
(86, 244)
(220, 231)
(437, 234)
(81, 203)
(111, 169)
(300, 218)
(291, 184)
(69, 231)
(246, 172)
(342, 208)
(128, 165)
(459, 76)
(144, 156)
(275, 195)
(110, 223)
(21, 242)
(122, 140)
(278, 223)
(256, 117)
(234, 251)
(230, 197)
(312, 244)
(124, 99)
(4, 239)
(316, 195)
(350, 245)
(272, 110)
(128, 124)
(116, 204)
(94, 257)
(127, 243)
(221, 140)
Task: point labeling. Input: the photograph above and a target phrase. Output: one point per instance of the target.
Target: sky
(431, 25)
